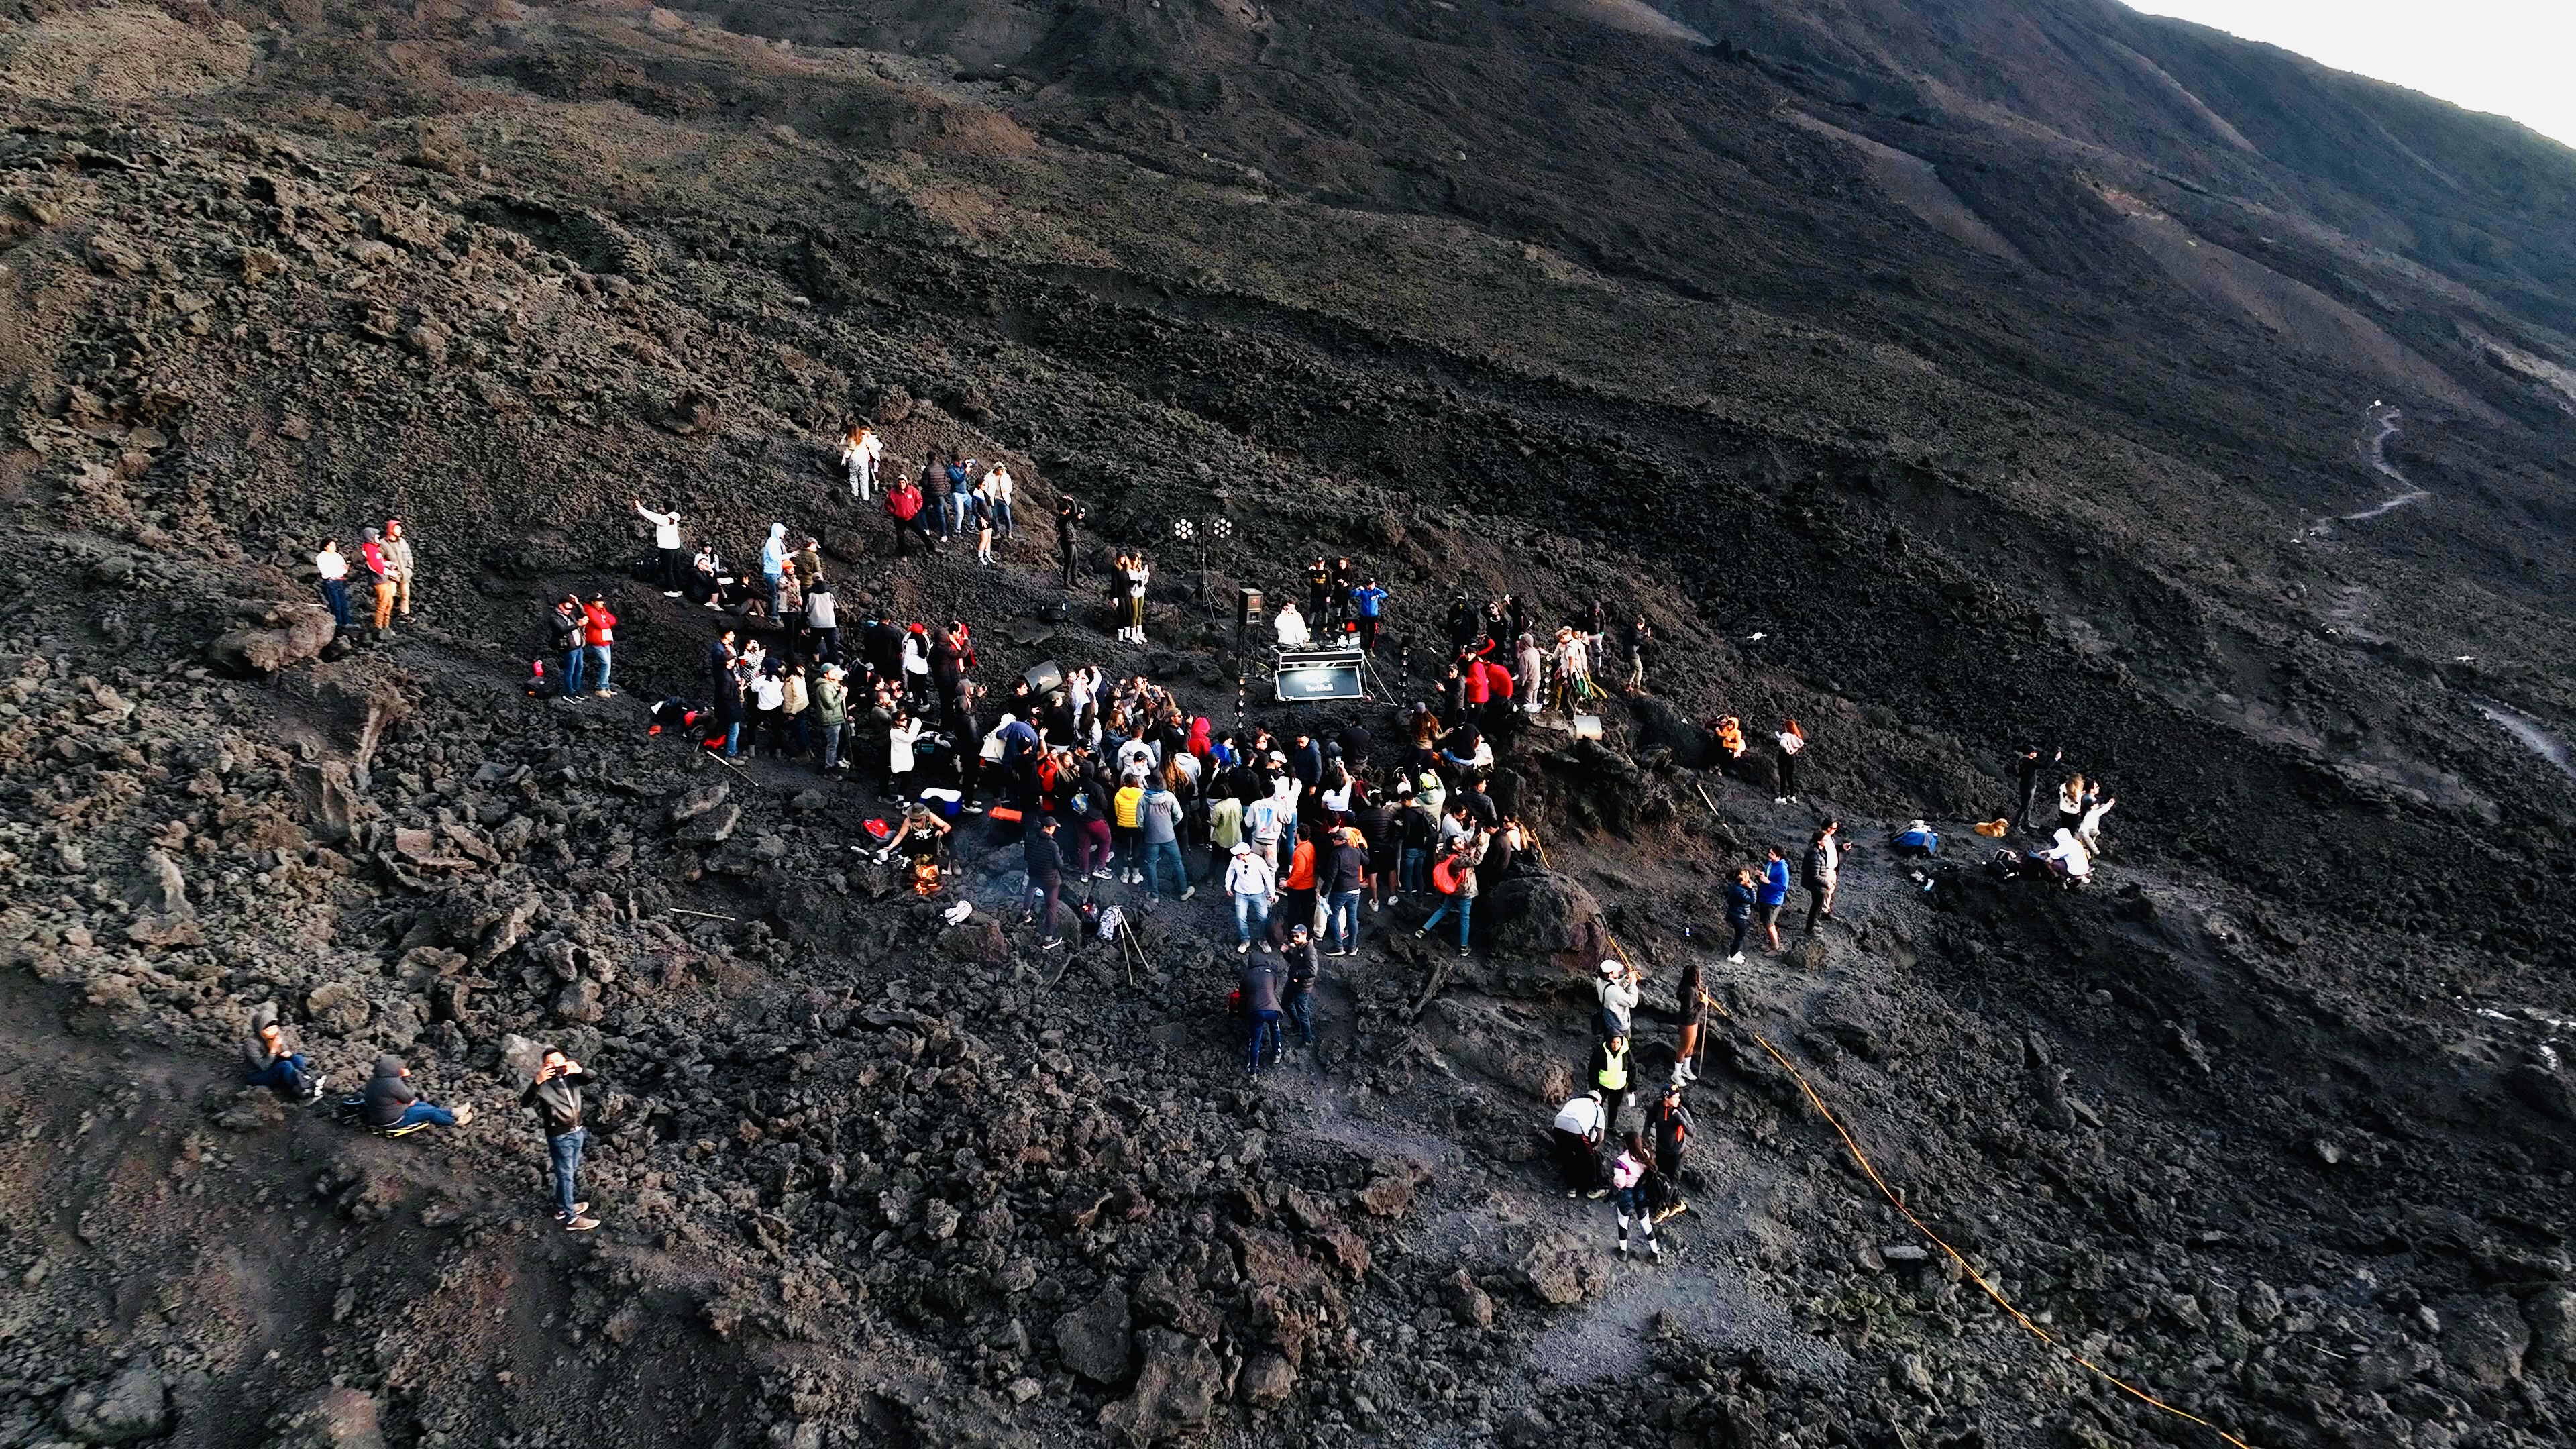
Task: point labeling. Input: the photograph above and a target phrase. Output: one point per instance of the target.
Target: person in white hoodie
(860, 453)
(666, 539)
(1291, 625)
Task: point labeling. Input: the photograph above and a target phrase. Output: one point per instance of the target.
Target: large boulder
(135, 1404)
(277, 635)
(1660, 726)
(1094, 1340)
(2485, 1339)
(2551, 1313)
(1176, 1392)
(1545, 917)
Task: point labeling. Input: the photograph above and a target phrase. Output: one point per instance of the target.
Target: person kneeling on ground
(393, 1102)
(273, 1061)
(556, 1096)
(1579, 1125)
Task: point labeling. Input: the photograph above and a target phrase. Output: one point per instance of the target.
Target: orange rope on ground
(1871, 1172)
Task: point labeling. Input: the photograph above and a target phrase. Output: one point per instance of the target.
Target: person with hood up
(1739, 913)
(773, 563)
(1043, 859)
(2068, 860)
(666, 542)
(391, 1101)
(380, 578)
(270, 1056)
(399, 562)
(555, 1096)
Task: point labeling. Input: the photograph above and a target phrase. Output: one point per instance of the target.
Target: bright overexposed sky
(2513, 57)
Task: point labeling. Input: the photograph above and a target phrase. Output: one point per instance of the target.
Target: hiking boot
(580, 1225)
(464, 1114)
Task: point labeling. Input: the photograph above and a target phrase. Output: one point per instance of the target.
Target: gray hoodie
(388, 1093)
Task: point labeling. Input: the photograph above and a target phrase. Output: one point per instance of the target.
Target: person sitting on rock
(1579, 1125)
(270, 1055)
(393, 1103)
(921, 838)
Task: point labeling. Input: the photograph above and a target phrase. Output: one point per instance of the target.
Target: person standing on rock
(1265, 976)
(1368, 605)
(599, 633)
(2026, 772)
(1618, 995)
(333, 566)
(1607, 1072)
(379, 579)
(1303, 971)
(399, 562)
(270, 1055)
(1344, 874)
(570, 627)
(1642, 648)
(1790, 742)
(1774, 893)
(555, 1096)
(1580, 1125)
(1628, 1196)
(1739, 913)
(903, 507)
(773, 564)
(1690, 1006)
(831, 714)
(996, 487)
(1043, 858)
(1248, 879)
(1068, 532)
(1668, 1131)
(823, 621)
(1455, 879)
(391, 1101)
(1824, 873)
(666, 542)
(1132, 579)
(860, 453)
(1158, 817)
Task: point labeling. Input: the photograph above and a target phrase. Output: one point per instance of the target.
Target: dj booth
(1306, 676)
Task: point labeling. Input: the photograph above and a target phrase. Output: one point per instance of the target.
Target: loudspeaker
(1247, 606)
(1044, 677)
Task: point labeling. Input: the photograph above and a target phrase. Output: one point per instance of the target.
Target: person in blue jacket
(1916, 839)
(1772, 894)
(1368, 604)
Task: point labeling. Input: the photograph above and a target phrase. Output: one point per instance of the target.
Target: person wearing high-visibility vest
(1610, 1078)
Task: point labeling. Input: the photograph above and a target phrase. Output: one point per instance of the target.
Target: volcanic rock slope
(1944, 376)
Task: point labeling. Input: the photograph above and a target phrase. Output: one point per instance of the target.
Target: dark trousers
(670, 568)
(1301, 1011)
(1578, 1160)
(1066, 544)
(827, 645)
(1742, 928)
(1368, 633)
(335, 592)
(1052, 893)
(286, 1074)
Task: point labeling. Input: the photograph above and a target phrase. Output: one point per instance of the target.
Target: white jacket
(1249, 875)
(666, 526)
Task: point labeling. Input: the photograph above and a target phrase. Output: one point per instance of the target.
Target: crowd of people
(386, 566)
(1094, 778)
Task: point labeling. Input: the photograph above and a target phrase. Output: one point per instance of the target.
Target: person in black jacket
(1264, 977)
(2026, 773)
(1668, 1131)
(271, 1059)
(1044, 861)
(1693, 1004)
(1739, 912)
(564, 628)
(1303, 971)
(1068, 529)
(391, 1100)
(555, 1095)
(1341, 875)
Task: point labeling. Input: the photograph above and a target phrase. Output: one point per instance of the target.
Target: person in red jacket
(599, 636)
(1498, 693)
(903, 505)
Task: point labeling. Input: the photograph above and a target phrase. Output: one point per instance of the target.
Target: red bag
(1007, 813)
(1444, 875)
